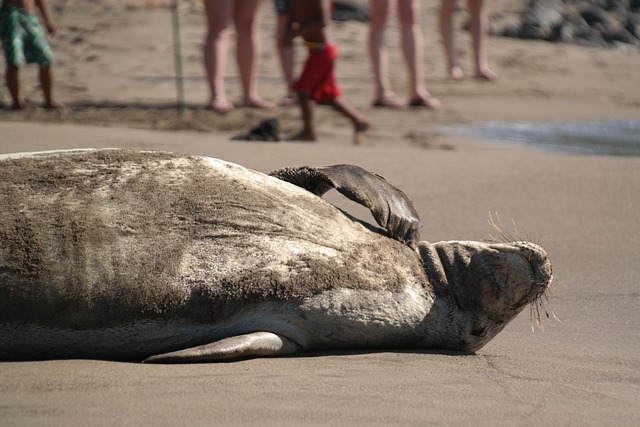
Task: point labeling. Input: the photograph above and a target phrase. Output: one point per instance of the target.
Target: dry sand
(115, 70)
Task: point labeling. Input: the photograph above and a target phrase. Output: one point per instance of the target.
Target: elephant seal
(160, 257)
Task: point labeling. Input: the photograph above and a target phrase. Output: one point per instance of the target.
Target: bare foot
(360, 132)
(387, 102)
(455, 73)
(220, 106)
(302, 136)
(258, 103)
(289, 100)
(486, 74)
(427, 101)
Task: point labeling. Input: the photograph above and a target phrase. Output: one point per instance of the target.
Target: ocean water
(610, 137)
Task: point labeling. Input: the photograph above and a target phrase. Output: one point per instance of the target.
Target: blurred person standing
(24, 41)
(478, 28)
(285, 52)
(408, 12)
(245, 15)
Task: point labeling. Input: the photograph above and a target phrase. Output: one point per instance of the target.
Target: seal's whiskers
(504, 236)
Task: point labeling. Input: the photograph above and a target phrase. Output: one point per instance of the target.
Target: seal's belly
(134, 341)
(335, 319)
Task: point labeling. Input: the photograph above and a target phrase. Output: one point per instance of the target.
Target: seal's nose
(539, 260)
(541, 267)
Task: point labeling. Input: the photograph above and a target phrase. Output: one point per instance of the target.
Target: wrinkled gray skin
(165, 258)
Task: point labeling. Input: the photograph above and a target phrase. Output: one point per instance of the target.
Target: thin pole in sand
(177, 55)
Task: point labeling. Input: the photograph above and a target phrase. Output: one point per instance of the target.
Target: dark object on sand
(267, 130)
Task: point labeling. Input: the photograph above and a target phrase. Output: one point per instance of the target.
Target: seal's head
(488, 284)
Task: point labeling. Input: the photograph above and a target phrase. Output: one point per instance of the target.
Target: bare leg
(13, 84)
(307, 106)
(216, 47)
(46, 82)
(412, 45)
(478, 27)
(360, 123)
(246, 15)
(379, 17)
(446, 33)
(286, 61)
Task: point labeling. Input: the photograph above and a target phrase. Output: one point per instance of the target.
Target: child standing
(23, 40)
(310, 19)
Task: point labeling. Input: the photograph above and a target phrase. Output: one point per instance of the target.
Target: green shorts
(23, 38)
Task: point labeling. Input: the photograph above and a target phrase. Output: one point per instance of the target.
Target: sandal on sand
(426, 102)
(387, 103)
(220, 107)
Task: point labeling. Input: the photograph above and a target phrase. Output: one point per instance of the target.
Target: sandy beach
(115, 71)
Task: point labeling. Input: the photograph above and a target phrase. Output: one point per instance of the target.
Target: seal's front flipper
(256, 344)
(391, 208)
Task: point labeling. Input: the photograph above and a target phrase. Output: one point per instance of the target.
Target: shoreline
(615, 137)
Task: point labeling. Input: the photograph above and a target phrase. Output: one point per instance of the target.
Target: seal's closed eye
(391, 208)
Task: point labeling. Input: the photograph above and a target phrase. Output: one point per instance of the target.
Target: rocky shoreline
(595, 23)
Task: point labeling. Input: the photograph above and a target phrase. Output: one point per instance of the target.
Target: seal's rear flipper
(256, 344)
(391, 207)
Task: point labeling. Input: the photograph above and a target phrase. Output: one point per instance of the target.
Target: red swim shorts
(318, 78)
